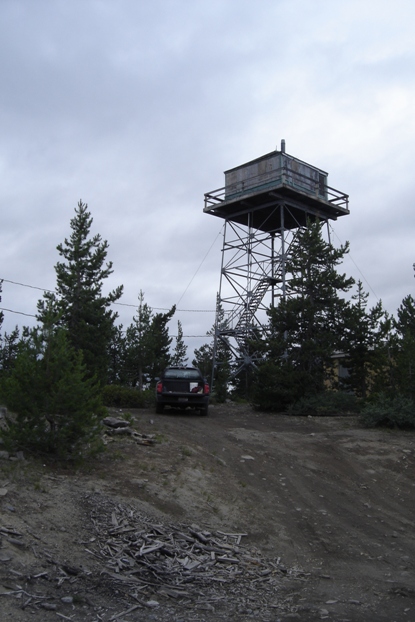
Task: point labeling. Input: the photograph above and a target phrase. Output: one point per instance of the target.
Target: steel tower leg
(252, 279)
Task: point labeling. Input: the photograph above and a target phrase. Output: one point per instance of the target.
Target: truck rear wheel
(204, 411)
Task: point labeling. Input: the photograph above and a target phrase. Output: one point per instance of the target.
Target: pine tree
(161, 342)
(1, 312)
(139, 344)
(147, 344)
(404, 348)
(365, 345)
(203, 359)
(9, 345)
(117, 349)
(179, 357)
(219, 368)
(56, 405)
(309, 325)
(78, 301)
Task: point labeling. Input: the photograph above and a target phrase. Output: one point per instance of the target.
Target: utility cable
(201, 264)
(18, 312)
(356, 266)
(122, 304)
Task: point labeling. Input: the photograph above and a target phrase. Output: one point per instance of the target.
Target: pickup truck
(182, 387)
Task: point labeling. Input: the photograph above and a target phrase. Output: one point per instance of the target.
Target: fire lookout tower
(265, 203)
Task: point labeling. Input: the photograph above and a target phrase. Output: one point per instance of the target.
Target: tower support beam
(264, 203)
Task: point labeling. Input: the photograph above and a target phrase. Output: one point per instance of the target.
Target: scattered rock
(49, 606)
(113, 422)
(68, 600)
(140, 483)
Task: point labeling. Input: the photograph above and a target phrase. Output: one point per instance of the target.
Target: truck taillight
(159, 387)
(206, 389)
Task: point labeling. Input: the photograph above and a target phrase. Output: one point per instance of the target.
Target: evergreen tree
(139, 344)
(161, 342)
(403, 353)
(218, 369)
(56, 406)
(203, 359)
(78, 301)
(117, 351)
(308, 327)
(1, 312)
(9, 345)
(365, 345)
(179, 357)
(147, 344)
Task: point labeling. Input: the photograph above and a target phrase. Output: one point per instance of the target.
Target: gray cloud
(139, 107)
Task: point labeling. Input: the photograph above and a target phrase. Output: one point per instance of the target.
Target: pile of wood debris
(162, 566)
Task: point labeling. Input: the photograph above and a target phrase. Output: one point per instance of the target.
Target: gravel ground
(238, 516)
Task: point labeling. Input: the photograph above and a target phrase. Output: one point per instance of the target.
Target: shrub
(275, 387)
(328, 403)
(381, 410)
(56, 407)
(124, 397)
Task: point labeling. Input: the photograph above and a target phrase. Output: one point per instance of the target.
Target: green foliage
(117, 351)
(1, 312)
(276, 385)
(180, 349)
(56, 407)
(220, 387)
(161, 342)
(78, 303)
(147, 344)
(279, 388)
(124, 397)
(329, 403)
(308, 326)
(367, 333)
(203, 360)
(403, 349)
(9, 347)
(215, 365)
(391, 411)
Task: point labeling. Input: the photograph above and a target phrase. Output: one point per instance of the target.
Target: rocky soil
(237, 516)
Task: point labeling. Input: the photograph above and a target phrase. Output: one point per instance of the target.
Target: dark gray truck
(182, 387)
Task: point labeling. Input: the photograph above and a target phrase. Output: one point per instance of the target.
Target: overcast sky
(137, 108)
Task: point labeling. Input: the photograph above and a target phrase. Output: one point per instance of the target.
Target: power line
(201, 264)
(42, 289)
(125, 304)
(356, 266)
(30, 315)
(18, 312)
(122, 304)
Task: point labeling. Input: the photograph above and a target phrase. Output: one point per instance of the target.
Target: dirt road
(327, 508)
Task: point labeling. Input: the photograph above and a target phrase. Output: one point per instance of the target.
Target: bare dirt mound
(237, 516)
